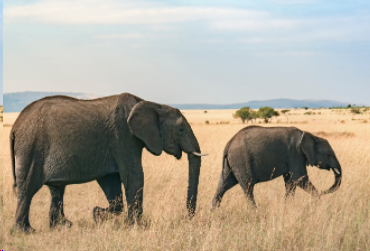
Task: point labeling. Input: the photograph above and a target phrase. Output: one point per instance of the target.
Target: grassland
(339, 221)
(1, 181)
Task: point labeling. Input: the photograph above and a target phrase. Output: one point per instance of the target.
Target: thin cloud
(254, 24)
(249, 25)
(121, 36)
(298, 54)
(102, 12)
(294, 2)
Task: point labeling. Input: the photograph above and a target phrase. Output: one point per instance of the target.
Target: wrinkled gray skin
(258, 154)
(59, 140)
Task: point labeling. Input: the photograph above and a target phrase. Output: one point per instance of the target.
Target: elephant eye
(181, 129)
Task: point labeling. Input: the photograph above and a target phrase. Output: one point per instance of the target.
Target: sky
(1, 52)
(202, 51)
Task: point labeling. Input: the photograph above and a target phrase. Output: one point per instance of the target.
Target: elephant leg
(248, 191)
(25, 192)
(112, 187)
(22, 213)
(223, 186)
(290, 186)
(246, 180)
(56, 208)
(134, 194)
(306, 185)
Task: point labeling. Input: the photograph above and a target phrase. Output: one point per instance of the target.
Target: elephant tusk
(199, 154)
(336, 171)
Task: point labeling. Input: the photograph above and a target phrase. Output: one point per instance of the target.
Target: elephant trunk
(337, 182)
(194, 171)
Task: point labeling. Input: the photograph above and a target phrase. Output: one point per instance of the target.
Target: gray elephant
(59, 140)
(258, 154)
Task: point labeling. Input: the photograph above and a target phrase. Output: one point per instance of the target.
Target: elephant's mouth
(178, 151)
(322, 166)
(174, 150)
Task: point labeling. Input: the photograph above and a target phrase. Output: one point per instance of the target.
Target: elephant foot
(130, 222)
(103, 214)
(100, 214)
(315, 194)
(62, 222)
(27, 229)
(215, 204)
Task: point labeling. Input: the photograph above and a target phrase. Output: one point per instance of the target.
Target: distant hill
(15, 102)
(275, 103)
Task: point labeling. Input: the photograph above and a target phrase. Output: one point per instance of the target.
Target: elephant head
(161, 127)
(319, 153)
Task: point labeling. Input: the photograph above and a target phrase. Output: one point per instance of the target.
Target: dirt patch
(334, 134)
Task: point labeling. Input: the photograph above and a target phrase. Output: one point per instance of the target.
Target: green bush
(267, 113)
(245, 114)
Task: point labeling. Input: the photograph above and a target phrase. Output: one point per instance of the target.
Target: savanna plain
(338, 221)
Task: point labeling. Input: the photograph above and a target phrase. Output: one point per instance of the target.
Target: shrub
(355, 110)
(207, 122)
(245, 114)
(266, 113)
(285, 111)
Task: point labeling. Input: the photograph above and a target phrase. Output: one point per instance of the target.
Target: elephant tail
(226, 152)
(225, 166)
(225, 163)
(12, 139)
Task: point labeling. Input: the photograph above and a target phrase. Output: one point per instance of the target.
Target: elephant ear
(308, 147)
(143, 122)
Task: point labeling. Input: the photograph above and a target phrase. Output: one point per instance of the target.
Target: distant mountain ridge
(15, 102)
(275, 103)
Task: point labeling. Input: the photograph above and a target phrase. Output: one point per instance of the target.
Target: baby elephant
(257, 154)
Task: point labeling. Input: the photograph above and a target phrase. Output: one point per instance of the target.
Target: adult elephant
(258, 154)
(59, 140)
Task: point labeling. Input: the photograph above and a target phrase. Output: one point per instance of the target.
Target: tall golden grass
(339, 221)
(1, 186)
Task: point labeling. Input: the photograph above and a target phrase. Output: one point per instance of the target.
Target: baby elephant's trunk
(337, 182)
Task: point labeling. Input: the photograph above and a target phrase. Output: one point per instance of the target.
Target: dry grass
(339, 221)
(1, 190)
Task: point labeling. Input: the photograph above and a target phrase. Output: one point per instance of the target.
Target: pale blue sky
(1, 51)
(190, 51)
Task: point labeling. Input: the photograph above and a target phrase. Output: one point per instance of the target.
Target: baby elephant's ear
(143, 122)
(308, 147)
